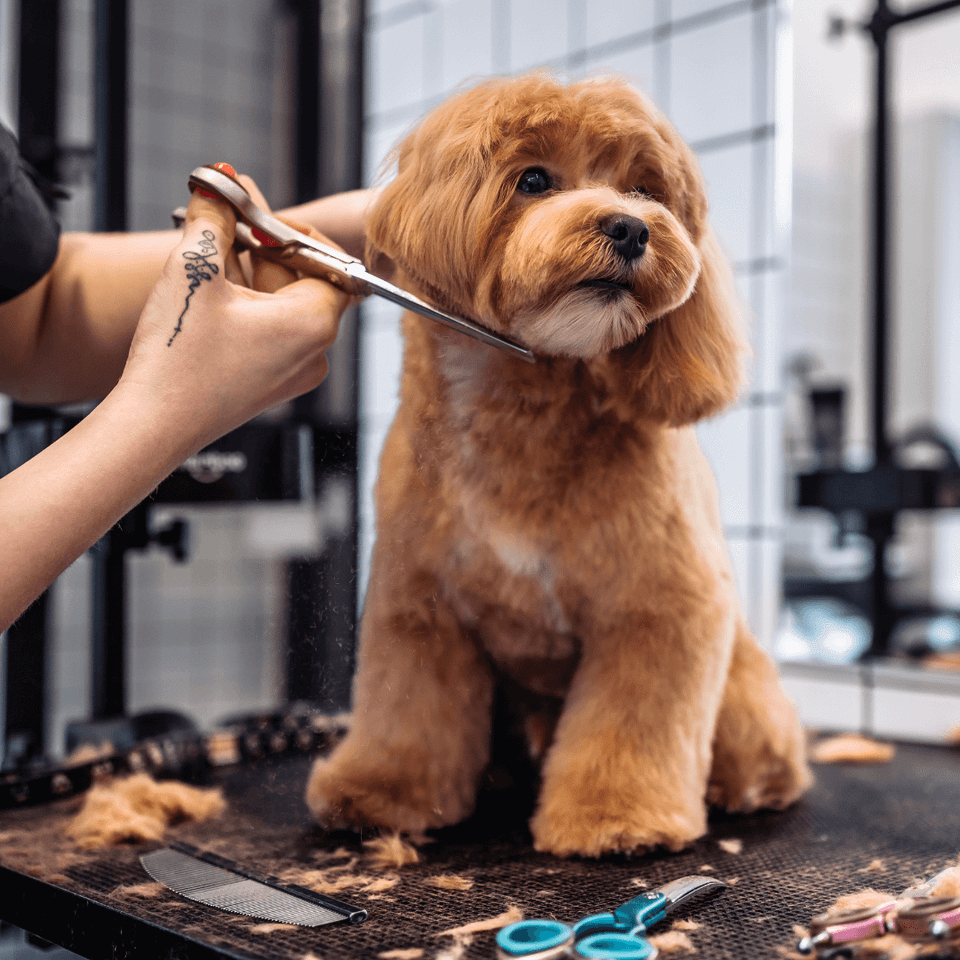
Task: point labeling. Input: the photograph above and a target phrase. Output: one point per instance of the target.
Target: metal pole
(880, 527)
(110, 114)
(878, 28)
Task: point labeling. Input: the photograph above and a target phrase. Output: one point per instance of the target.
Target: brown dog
(555, 525)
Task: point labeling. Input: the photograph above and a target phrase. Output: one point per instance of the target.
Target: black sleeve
(29, 233)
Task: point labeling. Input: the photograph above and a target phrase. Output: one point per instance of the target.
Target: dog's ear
(692, 359)
(420, 219)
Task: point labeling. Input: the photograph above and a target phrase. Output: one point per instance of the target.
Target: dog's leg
(422, 711)
(628, 768)
(759, 752)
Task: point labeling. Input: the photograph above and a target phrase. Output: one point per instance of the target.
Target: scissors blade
(683, 890)
(285, 243)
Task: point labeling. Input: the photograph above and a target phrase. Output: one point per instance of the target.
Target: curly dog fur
(555, 525)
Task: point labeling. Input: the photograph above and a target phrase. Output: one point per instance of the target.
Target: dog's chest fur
(524, 477)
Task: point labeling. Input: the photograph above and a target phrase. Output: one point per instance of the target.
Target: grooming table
(905, 814)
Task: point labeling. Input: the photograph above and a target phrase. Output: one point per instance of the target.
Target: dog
(553, 528)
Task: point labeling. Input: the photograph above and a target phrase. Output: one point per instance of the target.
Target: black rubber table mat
(880, 826)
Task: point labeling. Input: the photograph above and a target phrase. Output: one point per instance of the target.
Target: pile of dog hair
(138, 808)
(851, 748)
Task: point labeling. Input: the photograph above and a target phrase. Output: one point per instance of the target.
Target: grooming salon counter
(879, 826)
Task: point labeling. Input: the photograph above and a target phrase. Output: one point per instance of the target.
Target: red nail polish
(206, 193)
(225, 168)
(267, 241)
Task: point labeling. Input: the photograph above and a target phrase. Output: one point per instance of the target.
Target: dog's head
(572, 219)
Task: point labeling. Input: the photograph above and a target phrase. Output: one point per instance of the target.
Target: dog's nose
(629, 235)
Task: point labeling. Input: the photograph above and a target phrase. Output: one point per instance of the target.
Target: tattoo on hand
(198, 268)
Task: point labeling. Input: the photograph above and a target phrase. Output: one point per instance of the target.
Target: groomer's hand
(216, 353)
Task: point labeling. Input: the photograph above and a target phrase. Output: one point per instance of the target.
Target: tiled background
(713, 67)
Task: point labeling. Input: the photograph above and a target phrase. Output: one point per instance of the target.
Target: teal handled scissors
(603, 936)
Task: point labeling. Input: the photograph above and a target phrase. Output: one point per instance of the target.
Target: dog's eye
(643, 192)
(534, 180)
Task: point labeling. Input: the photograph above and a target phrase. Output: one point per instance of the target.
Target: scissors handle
(615, 946)
(534, 940)
(272, 238)
(552, 940)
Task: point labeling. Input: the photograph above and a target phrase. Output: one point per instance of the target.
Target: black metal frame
(25, 702)
(878, 495)
(321, 590)
(111, 113)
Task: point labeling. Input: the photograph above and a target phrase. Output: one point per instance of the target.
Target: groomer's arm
(66, 338)
(207, 355)
(340, 217)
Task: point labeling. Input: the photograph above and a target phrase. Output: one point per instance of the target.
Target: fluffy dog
(554, 526)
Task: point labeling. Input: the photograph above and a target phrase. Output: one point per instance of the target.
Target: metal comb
(221, 883)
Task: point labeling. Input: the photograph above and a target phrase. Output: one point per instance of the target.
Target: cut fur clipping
(390, 852)
(948, 883)
(410, 953)
(449, 881)
(266, 928)
(513, 915)
(335, 879)
(673, 941)
(731, 846)
(457, 949)
(138, 809)
(851, 748)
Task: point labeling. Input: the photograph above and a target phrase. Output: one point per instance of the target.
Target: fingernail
(225, 168)
(205, 193)
(266, 240)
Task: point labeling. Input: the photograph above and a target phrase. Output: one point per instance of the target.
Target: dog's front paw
(759, 759)
(348, 795)
(590, 824)
(770, 776)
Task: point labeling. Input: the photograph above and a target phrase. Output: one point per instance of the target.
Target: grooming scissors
(271, 238)
(914, 915)
(611, 936)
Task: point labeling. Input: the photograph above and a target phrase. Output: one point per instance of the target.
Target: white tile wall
(729, 176)
(395, 72)
(609, 21)
(682, 9)
(887, 701)
(828, 699)
(727, 443)
(466, 48)
(539, 33)
(711, 78)
(712, 66)
(767, 292)
(636, 63)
